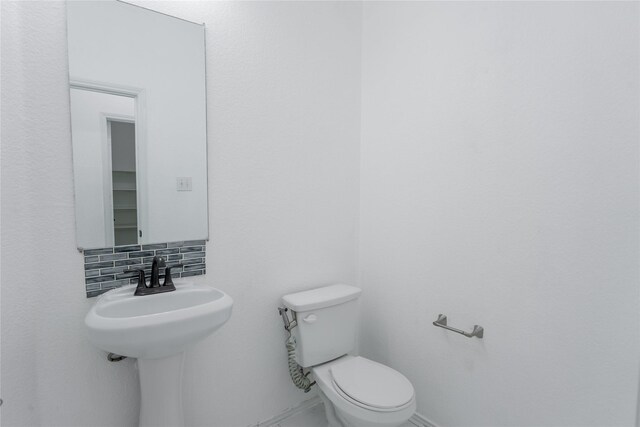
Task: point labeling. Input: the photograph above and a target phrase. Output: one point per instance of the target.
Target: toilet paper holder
(441, 322)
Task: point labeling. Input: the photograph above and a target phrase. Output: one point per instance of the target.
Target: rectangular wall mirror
(138, 121)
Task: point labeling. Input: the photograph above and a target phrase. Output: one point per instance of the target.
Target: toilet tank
(327, 320)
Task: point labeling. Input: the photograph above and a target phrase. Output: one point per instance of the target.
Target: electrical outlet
(183, 183)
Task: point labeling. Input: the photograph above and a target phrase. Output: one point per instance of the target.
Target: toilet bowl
(359, 392)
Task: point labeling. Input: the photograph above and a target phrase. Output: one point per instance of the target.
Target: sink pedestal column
(161, 391)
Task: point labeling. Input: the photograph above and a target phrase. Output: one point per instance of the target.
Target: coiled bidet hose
(298, 377)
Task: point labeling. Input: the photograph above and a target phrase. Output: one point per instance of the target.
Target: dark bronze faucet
(158, 262)
(154, 286)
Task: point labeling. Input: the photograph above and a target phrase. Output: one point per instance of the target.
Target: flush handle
(311, 318)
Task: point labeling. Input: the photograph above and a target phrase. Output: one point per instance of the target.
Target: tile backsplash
(107, 268)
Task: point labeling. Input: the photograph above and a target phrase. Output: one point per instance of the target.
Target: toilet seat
(353, 412)
(371, 385)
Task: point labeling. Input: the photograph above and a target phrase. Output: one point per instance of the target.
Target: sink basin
(156, 326)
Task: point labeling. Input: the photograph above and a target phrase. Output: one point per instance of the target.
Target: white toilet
(356, 392)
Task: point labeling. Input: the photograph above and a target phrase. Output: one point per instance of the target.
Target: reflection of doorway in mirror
(106, 157)
(121, 136)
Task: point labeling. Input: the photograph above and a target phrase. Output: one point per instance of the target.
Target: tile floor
(313, 417)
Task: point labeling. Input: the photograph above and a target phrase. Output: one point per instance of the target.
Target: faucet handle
(139, 274)
(142, 281)
(167, 275)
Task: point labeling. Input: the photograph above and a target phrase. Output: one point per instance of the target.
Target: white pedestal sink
(157, 329)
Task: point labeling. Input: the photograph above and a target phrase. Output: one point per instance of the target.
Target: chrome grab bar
(478, 331)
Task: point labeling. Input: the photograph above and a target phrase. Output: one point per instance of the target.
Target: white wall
(500, 186)
(283, 113)
(91, 171)
(173, 78)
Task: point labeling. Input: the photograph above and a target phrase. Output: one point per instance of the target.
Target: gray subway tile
(128, 275)
(154, 246)
(173, 263)
(91, 294)
(195, 243)
(114, 284)
(140, 254)
(95, 265)
(189, 255)
(192, 261)
(170, 251)
(113, 257)
(129, 248)
(91, 273)
(192, 249)
(99, 279)
(192, 273)
(108, 268)
(93, 286)
(193, 267)
(99, 251)
(131, 261)
(114, 270)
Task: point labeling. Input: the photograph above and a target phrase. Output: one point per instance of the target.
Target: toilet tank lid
(321, 297)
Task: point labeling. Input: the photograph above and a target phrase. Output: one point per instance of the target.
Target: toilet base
(338, 418)
(332, 418)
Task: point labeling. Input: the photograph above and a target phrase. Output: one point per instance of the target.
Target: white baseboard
(416, 419)
(304, 406)
(420, 421)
